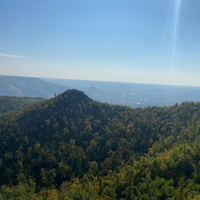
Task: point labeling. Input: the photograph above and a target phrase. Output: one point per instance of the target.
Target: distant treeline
(13, 103)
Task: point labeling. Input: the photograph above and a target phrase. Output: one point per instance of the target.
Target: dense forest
(12, 103)
(73, 148)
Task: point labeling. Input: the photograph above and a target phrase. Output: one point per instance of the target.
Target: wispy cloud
(10, 55)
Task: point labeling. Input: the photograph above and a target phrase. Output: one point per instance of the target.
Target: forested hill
(12, 103)
(71, 147)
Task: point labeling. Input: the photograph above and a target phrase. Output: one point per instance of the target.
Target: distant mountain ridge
(28, 86)
(116, 93)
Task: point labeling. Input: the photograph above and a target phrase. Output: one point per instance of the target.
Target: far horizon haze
(121, 41)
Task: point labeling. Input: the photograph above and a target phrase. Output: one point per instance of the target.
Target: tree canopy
(71, 147)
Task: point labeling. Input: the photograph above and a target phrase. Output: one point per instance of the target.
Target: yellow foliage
(50, 194)
(197, 197)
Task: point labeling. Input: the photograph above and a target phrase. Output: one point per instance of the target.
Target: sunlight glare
(174, 29)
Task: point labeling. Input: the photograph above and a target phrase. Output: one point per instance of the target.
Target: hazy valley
(116, 93)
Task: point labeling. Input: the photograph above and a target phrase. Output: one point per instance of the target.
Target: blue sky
(108, 40)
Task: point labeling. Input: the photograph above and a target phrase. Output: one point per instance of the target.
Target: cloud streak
(10, 55)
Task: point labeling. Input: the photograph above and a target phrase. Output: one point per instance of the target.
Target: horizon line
(102, 81)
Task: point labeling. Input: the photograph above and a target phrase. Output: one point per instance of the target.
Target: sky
(139, 41)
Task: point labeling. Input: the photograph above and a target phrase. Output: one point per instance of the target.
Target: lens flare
(171, 32)
(174, 29)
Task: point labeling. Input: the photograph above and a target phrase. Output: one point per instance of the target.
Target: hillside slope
(10, 103)
(26, 86)
(71, 147)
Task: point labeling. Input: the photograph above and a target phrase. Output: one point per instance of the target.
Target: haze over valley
(116, 93)
(132, 94)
